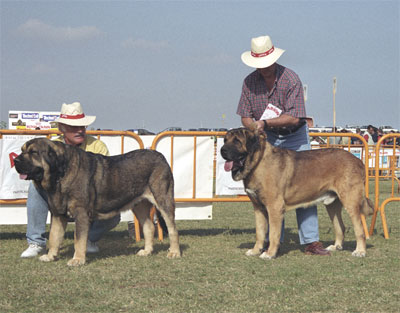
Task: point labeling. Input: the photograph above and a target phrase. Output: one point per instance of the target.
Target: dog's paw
(46, 258)
(266, 256)
(334, 248)
(173, 254)
(251, 252)
(359, 254)
(144, 252)
(76, 262)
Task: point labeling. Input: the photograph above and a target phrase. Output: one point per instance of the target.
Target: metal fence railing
(365, 157)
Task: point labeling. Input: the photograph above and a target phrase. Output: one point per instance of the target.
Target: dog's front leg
(82, 224)
(261, 218)
(275, 225)
(57, 231)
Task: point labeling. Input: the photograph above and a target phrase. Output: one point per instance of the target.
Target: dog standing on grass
(88, 186)
(278, 180)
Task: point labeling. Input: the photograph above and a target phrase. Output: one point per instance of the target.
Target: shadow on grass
(291, 243)
(203, 232)
(114, 244)
(12, 235)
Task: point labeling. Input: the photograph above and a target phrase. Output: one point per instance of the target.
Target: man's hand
(260, 125)
(248, 121)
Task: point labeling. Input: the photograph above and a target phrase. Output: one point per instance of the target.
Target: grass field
(214, 275)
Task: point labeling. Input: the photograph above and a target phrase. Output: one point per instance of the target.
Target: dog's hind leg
(335, 213)
(166, 207)
(142, 212)
(353, 203)
(57, 231)
(162, 188)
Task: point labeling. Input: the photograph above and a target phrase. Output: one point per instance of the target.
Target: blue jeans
(38, 208)
(307, 218)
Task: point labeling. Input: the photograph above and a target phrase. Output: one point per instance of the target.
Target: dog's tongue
(228, 166)
(23, 176)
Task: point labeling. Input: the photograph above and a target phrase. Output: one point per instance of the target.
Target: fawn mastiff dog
(87, 186)
(277, 180)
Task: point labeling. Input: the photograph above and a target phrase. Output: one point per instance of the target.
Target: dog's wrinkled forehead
(28, 146)
(238, 134)
(37, 144)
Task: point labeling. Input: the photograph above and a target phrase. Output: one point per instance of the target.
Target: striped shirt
(287, 94)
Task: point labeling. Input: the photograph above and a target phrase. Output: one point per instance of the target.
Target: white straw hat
(72, 114)
(262, 54)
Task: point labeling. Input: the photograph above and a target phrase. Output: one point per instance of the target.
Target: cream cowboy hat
(72, 114)
(262, 54)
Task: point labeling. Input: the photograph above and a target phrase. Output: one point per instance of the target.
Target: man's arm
(283, 120)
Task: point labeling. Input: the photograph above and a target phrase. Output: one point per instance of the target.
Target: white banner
(11, 187)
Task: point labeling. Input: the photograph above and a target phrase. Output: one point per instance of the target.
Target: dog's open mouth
(23, 176)
(31, 174)
(234, 165)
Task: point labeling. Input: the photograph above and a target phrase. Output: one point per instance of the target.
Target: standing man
(72, 123)
(272, 97)
(371, 136)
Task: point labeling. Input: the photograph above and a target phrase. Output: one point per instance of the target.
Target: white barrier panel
(384, 157)
(182, 170)
(114, 144)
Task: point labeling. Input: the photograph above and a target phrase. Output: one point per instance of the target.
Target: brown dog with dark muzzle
(278, 180)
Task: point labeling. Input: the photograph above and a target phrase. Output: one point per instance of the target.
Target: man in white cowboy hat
(272, 97)
(72, 123)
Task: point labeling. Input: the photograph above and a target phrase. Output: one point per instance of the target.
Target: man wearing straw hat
(272, 97)
(72, 123)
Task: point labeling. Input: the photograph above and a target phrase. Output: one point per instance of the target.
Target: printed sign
(271, 112)
(32, 120)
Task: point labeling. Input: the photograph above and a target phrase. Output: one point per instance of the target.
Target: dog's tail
(367, 207)
(162, 223)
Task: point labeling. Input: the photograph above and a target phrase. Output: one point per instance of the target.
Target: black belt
(284, 131)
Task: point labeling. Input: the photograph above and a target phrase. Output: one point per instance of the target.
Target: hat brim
(262, 62)
(86, 121)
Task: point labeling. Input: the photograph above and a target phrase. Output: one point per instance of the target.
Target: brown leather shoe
(316, 248)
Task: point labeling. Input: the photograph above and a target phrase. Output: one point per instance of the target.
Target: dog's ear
(57, 152)
(252, 141)
(257, 132)
(54, 164)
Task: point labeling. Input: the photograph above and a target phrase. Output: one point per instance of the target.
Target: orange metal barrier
(195, 134)
(215, 198)
(381, 208)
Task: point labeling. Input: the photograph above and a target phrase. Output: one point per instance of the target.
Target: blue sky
(156, 64)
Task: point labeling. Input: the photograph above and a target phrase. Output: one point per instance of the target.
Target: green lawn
(214, 275)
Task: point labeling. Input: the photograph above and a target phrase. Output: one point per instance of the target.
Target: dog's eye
(34, 152)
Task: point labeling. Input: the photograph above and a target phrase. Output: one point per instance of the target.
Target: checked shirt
(287, 94)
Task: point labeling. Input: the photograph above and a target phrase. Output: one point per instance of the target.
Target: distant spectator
(344, 140)
(355, 140)
(371, 136)
(380, 135)
(315, 141)
(334, 140)
(391, 140)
